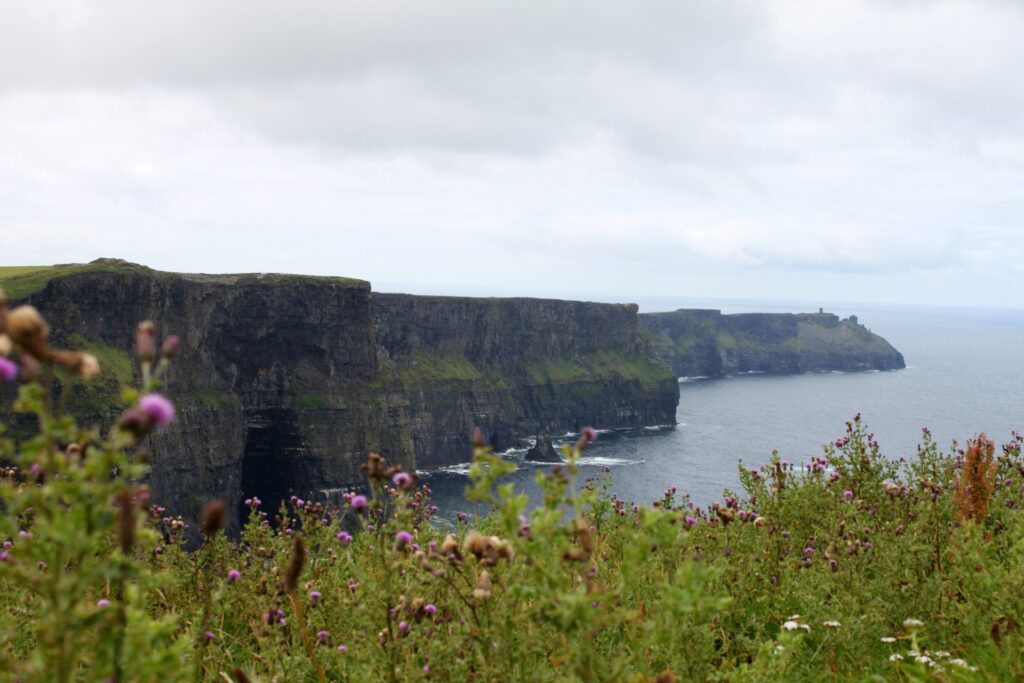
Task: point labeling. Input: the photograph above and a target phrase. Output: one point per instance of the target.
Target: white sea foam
(599, 461)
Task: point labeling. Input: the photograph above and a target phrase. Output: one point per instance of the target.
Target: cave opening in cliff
(269, 470)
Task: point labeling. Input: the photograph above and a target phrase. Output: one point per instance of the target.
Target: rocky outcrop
(705, 343)
(543, 451)
(284, 383)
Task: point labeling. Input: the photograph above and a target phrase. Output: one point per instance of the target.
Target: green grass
(425, 366)
(599, 365)
(21, 281)
(309, 401)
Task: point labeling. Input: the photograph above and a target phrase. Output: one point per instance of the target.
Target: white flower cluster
(793, 623)
(932, 660)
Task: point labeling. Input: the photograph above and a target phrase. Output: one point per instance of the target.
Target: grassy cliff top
(21, 281)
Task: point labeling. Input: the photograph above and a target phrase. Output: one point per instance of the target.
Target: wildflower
(808, 551)
(848, 495)
(344, 538)
(8, 369)
(314, 597)
(358, 503)
(402, 480)
(208, 635)
(342, 648)
(403, 628)
(587, 435)
(913, 624)
(690, 521)
(895, 657)
(831, 624)
(483, 586)
(790, 626)
(103, 603)
(430, 608)
(322, 635)
(158, 409)
(234, 575)
(78, 363)
(4, 556)
(402, 539)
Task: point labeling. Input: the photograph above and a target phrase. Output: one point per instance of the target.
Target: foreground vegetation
(852, 566)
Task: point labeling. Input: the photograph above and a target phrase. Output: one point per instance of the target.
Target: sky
(777, 150)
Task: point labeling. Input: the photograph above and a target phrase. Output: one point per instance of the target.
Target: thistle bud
(214, 514)
(145, 344)
(170, 347)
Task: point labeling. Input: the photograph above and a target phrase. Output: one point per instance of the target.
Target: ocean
(964, 376)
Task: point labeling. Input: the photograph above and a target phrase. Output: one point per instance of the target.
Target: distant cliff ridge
(706, 343)
(283, 383)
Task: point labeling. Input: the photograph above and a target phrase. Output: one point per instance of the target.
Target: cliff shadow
(273, 468)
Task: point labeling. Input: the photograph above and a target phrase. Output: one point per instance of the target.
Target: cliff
(705, 343)
(284, 383)
(518, 366)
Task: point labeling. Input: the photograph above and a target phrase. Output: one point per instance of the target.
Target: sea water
(964, 375)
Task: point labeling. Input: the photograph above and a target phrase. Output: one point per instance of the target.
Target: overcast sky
(834, 151)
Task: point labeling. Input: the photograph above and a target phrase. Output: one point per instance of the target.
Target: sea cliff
(706, 343)
(284, 383)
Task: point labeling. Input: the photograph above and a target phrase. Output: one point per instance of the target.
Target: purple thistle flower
(158, 408)
(208, 635)
(4, 556)
(848, 495)
(234, 575)
(322, 635)
(403, 538)
(690, 521)
(401, 480)
(103, 603)
(403, 628)
(358, 503)
(430, 608)
(342, 648)
(344, 538)
(8, 369)
(314, 597)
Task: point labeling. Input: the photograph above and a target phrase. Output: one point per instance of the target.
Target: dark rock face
(518, 366)
(278, 383)
(705, 343)
(284, 383)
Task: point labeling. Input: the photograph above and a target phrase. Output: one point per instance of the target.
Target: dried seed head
(665, 677)
(26, 326)
(240, 676)
(214, 515)
(295, 564)
(145, 344)
(78, 363)
(449, 544)
(476, 543)
(6, 345)
(375, 467)
(483, 586)
(125, 520)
